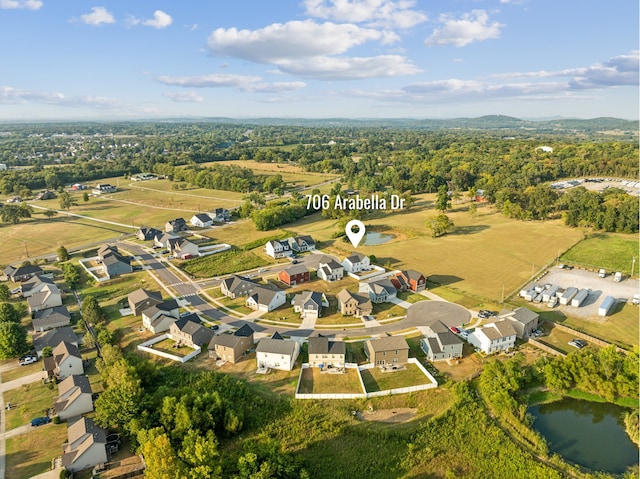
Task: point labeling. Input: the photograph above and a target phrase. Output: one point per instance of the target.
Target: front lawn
(30, 454)
(376, 380)
(314, 381)
(27, 402)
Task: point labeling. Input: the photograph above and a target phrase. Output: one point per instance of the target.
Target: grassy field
(313, 381)
(28, 401)
(241, 233)
(166, 345)
(613, 252)
(31, 453)
(291, 174)
(376, 380)
(223, 263)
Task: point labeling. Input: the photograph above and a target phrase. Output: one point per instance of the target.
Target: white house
(494, 337)
(330, 271)
(277, 353)
(74, 397)
(66, 361)
(356, 262)
(278, 249)
(265, 299)
(183, 248)
(86, 445)
(159, 317)
(201, 220)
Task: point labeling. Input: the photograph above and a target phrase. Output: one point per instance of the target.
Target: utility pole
(502, 300)
(26, 251)
(633, 265)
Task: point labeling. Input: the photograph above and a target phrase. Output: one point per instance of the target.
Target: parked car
(25, 360)
(454, 329)
(40, 421)
(577, 343)
(602, 273)
(536, 333)
(485, 313)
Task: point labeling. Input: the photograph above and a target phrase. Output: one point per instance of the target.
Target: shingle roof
(276, 346)
(388, 343)
(142, 294)
(244, 331)
(50, 316)
(296, 269)
(320, 345)
(356, 257)
(54, 337)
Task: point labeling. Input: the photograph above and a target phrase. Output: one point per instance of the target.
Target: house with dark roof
(309, 304)
(231, 347)
(66, 361)
(34, 285)
(324, 353)
(440, 343)
(523, 320)
(352, 304)
(45, 195)
(379, 291)
(236, 286)
(176, 225)
(141, 299)
(278, 249)
(52, 338)
(161, 316)
(86, 446)
(409, 279)
(146, 233)
(74, 397)
(21, 273)
(162, 240)
(201, 220)
(300, 244)
(330, 271)
(220, 215)
(51, 318)
(188, 330)
(356, 262)
(294, 275)
(49, 296)
(277, 353)
(266, 299)
(113, 263)
(494, 337)
(183, 248)
(387, 351)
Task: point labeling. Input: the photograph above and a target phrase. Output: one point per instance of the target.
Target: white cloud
(160, 20)
(386, 13)
(184, 96)
(472, 27)
(349, 68)
(20, 4)
(17, 96)
(241, 82)
(98, 16)
(275, 87)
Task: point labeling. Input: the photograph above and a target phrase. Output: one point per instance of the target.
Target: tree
(440, 225)
(121, 400)
(91, 310)
(47, 351)
(159, 456)
(85, 196)
(63, 254)
(13, 340)
(14, 213)
(443, 203)
(200, 453)
(9, 314)
(5, 293)
(67, 201)
(50, 213)
(71, 275)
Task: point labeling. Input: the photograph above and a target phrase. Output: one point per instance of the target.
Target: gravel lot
(600, 288)
(611, 183)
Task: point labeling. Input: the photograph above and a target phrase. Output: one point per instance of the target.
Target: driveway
(16, 383)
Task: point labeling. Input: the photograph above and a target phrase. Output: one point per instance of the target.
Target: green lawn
(21, 371)
(29, 401)
(232, 261)
(313, 381)
(237, 304)
(376, 380)
(613, 252)
(30, 454)
(166, 345)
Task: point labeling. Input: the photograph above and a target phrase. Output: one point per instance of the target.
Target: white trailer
(579, 298)
(606, 306)
(568, 295)
(550, 292)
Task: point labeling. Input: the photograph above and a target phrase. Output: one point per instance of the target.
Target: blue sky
(79, 59)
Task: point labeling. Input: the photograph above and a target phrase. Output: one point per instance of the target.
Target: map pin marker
(355, 238)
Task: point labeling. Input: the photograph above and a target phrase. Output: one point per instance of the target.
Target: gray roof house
(387, 351)
(189, 330)
(114, 263)
(21, 273)
(379, 291)
(66, 361)
(309, 304)
(330, 271)
(52, 338)
(51, 318)
(300, 244)
(440, 343)
(74, 397)
(231, 347)
(49, 296)
(34, 285)
(262, 298)
(523, 320)
(86, 445)
(141, 299)
(159, 317)
(201, 220)
(146, 233)
(236, 286)
(176, 225)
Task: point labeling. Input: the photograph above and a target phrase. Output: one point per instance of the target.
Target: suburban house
(103, 188)
(387, 351)
(277, 353)
(352, 304)
(294, 275)
(34, 285)
(141, 299)
(494, 337)
(159, 317)
(330, 271)
(201, 220)
(309, 304)
(440, 343)
(523, 320)
(236, 286)
(114, 263)
(262, 298)
(52, 338)
(51, 318)
(300, 244)
(22, 273)
(183, 248)
(176, 225)
(147, 234)
(231, 347)
(49, 296)
(409, 279)
(220, 215)
(356, 262)
(45, 195)
(66, 361)
(74, 397)
(278, 249)
(162, 240)
(324, 353)
(189, 330)
(86, 445)
(379, 291)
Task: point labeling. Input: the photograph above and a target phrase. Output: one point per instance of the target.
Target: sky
(117, 59)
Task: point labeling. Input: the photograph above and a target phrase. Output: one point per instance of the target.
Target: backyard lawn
(314, 381)
(167, 346)
(376, 380)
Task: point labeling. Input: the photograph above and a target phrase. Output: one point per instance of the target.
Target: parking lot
(600, 288)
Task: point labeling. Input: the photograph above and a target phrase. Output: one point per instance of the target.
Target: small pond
(587, 433)
(371, 239)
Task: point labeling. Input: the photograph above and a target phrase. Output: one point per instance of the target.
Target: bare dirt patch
(389, 416)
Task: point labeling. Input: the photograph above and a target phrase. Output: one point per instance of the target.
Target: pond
(371, 239)
(587, 433)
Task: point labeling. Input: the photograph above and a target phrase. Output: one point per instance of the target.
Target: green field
(313, 381)
(613, 252)
(232, 261)
(31, 453)
(376, 380)
(291, 174)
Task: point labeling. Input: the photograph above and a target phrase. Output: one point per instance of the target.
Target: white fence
(388, 392)
(373, 271)
(182, 359)
(91, 270)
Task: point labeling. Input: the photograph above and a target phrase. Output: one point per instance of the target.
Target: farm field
(613, 252)
(291, 174)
